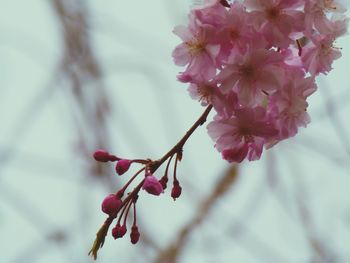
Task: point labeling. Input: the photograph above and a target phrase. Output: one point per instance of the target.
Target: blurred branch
(173, 251)
(81, 68)
(333, 114)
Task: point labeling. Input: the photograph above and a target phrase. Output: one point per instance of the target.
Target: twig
(154, 165)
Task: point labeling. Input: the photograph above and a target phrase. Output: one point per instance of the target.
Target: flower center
(247, 71)
(195, 47)
(328, 49)
(206, 92)
(234, 34)
(272, 13)
(249, 138)
(246, 133)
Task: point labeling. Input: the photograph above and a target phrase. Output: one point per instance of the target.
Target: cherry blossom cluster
(118, 205)
(255, 62)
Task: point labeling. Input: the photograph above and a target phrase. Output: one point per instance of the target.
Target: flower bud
(152, 185)
(118, 231)
(163, 181)
(101, 156)
(176, 191)
(134, 235)
(111, 204)
(122, 166)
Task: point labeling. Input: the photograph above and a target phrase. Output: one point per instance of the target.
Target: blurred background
(76, 76)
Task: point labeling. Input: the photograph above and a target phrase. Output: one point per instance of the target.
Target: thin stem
(132, 179)
(167, 167)
(127, 212)
(175, 168)
(300, 48)
(121, 214)
(134, 224)
(177, 149)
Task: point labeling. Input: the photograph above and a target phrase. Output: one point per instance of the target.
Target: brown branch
(172, 252)
(177, 149)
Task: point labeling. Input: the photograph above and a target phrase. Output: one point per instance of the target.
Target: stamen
(299, 47)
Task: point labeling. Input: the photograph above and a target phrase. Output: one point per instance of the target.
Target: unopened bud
(152, 186)
(122, 166)
(101, 156)
(163, 181)
(134, 235)
(118, 231)
(176, 191)
(111, 204)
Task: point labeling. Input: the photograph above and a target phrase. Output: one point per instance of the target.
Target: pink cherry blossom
(291, 105)
(205, 92)
(315, 13)
(251, 74)
(255, 62)
(212, 13)
(197, 51)
(319, 55)
(243, 134)
(236, 33)
(276, 19)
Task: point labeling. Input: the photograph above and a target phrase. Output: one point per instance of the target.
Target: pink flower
(252, 74)
(242, 135)
(122, 166)
(111, 204)
(319, 55)
(236, 32)
(197, 51)
(152, 186)
(249, 59)
(315, 13)
(291, 105)
(212, 12)
(205, 92)
(276, 19)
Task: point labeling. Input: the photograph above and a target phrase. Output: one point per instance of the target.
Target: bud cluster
(116, 207)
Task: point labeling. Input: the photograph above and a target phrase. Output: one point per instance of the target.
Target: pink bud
(122, 166)
(134, 235)
(152, 185)
(176, 191)
(101, 156)
(163, 181)
(111, 204)
(118, 231)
